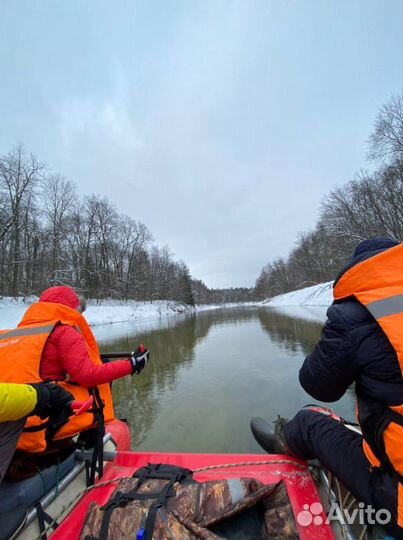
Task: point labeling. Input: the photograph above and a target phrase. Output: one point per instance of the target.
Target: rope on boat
(250, 463)
(363, 535)
(344, 506)
(73, 502)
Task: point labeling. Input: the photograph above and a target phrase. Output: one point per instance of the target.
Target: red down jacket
(66, 351)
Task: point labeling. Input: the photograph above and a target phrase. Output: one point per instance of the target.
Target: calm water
(209, 374)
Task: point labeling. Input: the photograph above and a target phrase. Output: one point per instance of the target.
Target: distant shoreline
(110, 311)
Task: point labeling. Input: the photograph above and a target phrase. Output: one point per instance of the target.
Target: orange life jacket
(377, 283)
(20, 357)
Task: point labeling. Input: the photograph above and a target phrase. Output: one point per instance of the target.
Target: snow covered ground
(310, 303)
(317, 295)
(109, 311)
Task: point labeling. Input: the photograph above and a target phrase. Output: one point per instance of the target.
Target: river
(210, 373)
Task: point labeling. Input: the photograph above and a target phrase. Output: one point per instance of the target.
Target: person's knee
(296, 432)
(300, 422)
(305, 416)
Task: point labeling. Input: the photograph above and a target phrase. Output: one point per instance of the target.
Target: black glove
(139, 359)
(52, 398)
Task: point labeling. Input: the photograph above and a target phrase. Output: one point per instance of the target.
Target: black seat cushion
(12, 522)
(26, 493)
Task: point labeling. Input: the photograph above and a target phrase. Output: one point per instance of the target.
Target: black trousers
(313, 435)
(9, 434)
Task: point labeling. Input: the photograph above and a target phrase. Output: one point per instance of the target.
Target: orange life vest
(20, 356)
(377, 283)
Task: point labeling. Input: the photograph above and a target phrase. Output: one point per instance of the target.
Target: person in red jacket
(66, 351)
(54, 343)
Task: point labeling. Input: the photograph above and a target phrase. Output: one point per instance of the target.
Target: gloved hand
(52, 398)
(139, 359)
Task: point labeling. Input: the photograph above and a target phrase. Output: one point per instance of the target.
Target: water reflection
(138, 398)
(210, 373)
(293, 334)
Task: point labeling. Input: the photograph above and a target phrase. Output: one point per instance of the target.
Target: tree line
(51, 236)
(370, 205)
(203, 295)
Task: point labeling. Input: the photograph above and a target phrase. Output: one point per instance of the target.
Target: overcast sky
(219, 124)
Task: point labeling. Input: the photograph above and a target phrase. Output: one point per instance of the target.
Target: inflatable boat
(54, 504)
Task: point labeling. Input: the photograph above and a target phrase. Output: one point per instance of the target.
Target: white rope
(250, 463)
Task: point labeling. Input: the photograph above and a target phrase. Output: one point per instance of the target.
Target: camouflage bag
(163, 502)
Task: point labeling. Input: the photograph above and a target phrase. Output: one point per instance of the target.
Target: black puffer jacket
(354, 348)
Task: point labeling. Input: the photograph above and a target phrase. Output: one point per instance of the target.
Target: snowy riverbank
(310, 303)
(317, 295)
(108, 311)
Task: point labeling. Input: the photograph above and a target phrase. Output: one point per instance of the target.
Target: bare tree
(132, 239)
(20, 174)
(386, 141)
(59, 200)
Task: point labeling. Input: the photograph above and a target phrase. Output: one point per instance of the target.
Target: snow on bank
(309, 304)
(113, 312)
(317, 295)
(105, 312)
(110, 311)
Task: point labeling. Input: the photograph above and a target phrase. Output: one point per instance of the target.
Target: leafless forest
(371, 205)
(50, 236)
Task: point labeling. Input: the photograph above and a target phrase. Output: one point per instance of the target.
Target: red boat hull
(301, 488)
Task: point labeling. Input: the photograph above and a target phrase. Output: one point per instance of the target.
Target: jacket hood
(61, 295)
(365, 250)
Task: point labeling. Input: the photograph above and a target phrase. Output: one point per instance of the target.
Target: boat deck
(301, 487)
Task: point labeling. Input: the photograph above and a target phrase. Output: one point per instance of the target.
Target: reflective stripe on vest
(18, 332)
(386, 307)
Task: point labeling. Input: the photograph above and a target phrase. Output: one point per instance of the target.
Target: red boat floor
(301, 488)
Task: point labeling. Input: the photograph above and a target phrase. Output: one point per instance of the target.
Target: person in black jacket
(353, 348)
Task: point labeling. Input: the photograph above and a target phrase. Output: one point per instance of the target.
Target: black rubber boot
(270, 437)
